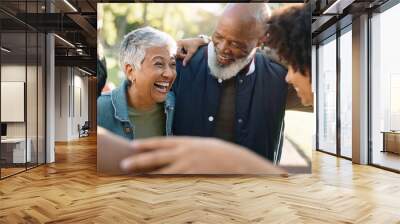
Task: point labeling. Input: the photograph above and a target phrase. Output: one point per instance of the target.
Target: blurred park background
(185, 20)
(180, 20)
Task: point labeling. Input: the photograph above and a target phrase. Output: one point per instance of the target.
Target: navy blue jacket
(260, 103)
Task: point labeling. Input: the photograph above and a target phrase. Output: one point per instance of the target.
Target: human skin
(152, 82)
(195, 155)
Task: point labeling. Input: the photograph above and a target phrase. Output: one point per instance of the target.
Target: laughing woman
(142, 105)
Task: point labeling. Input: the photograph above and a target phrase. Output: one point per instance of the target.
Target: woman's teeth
(162, 86)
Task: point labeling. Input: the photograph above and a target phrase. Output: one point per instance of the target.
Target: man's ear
(129, 72)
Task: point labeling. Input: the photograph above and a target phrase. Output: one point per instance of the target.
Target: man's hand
(187, 48)
(195, 155)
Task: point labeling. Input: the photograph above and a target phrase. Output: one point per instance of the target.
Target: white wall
(14, 73)
(71, 94)
(61, 103)
(33, 126)
(80, 101)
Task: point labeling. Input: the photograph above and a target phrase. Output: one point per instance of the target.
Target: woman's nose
(289, 76)
(170, 72)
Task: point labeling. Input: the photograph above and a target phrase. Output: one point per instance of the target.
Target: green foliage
(179, 20)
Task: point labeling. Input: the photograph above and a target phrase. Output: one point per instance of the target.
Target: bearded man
(229, 90)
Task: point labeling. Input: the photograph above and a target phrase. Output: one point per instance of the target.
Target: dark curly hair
(289, 33)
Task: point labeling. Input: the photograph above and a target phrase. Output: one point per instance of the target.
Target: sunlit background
(179, 20)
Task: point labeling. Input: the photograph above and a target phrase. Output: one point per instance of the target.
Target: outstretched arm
(195, 155)
(187, 48)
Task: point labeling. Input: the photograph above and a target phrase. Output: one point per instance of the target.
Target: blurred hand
(187, 48)
(195, 155)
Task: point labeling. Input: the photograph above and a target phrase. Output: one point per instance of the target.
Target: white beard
(228, 71)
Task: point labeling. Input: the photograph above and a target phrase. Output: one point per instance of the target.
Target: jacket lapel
(119, 102)
(212, 97)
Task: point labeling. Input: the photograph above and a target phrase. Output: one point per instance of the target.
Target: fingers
(149, 161)
(173, 168)
(149, 144)
(179, 46)
(188, 56)
(152, 144)
(180, 53)
(185, 55)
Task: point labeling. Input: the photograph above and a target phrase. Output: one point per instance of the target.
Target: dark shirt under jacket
(259, 104)
(225, 119)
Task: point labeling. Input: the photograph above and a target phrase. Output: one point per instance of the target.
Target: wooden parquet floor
(69, 191)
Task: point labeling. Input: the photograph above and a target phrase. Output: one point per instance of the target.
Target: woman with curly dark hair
(289, 34)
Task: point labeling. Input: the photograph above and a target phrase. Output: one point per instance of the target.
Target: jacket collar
(169, 101)
(119, 101)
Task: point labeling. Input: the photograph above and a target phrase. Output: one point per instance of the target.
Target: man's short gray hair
(134, 45)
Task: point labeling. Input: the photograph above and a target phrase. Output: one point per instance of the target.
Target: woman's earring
(130, 81)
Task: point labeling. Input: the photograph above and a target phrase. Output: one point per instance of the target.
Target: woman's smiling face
(156, 75)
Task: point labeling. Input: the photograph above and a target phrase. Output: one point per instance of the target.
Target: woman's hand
(187, 48)
(195, 155)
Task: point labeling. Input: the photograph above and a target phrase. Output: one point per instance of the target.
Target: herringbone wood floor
(69, 191)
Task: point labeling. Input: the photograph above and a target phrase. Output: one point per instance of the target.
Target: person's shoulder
(200, 53)
(105, 109)
(104, 97)
(277, 69)
(104, 100)
(196, 59)
(271, 62)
